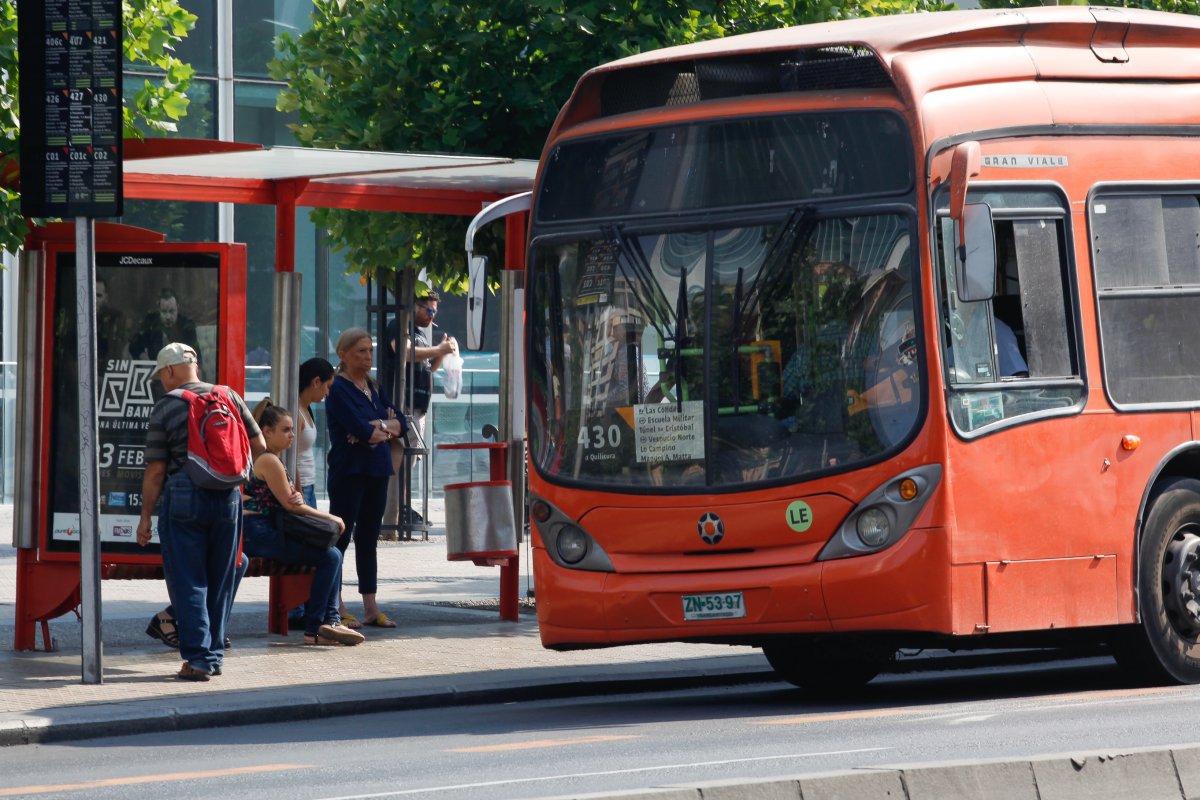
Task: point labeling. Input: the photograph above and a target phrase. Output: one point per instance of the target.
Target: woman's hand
(380, 434)
(297, 498)
(341, 525)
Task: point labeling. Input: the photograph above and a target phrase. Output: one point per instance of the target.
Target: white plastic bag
(452, 380)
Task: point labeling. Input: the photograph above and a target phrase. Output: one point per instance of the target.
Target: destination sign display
(70, 91)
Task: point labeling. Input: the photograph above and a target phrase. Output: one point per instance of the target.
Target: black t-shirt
(419, 378)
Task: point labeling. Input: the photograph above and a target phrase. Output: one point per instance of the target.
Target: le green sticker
(799, 516)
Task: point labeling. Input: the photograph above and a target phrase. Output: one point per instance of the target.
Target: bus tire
(828, 665)
(1165, 647)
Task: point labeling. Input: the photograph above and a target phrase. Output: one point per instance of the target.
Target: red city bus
(874, 334)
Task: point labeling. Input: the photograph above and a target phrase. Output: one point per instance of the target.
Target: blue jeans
(310, 495)
(198, 532)
(263, 540)
(359, 500)
(238, 574)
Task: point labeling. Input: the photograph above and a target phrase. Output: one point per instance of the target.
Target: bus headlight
(873, 527)
(572, 544)
(885, 515)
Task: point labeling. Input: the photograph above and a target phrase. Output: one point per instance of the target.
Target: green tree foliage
(1175, 6)
(462, 76)
(152, 29)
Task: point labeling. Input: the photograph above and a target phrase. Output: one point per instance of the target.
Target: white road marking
(569, 776)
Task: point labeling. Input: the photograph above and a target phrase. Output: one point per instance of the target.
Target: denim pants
(198, 532)
(359, 500)
(263, 540)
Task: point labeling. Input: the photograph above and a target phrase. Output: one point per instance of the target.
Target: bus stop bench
(289, 584)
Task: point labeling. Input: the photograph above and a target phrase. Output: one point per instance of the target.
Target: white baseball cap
(173, 354)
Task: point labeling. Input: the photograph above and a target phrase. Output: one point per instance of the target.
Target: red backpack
(218, 447)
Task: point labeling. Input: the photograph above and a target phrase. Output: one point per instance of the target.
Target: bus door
(1031, 504)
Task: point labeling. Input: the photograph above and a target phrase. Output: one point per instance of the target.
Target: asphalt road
(568, 747)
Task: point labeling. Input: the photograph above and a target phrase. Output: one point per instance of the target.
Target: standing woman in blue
(362, 423)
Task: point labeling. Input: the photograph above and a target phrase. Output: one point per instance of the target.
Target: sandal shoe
(380, 620)
(163, 628)
(189, 673)
(351, 621)
(319, 640)
(341, 634)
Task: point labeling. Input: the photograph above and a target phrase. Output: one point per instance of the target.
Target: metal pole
(285, 350)
(26, 513)
(515, 432)
(89, 434)
(512, 423)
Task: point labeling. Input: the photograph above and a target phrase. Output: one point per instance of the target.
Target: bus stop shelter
(290, 179)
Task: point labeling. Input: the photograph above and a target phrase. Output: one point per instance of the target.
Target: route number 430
(598, 437)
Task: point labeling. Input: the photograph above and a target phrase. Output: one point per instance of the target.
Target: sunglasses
(430, 311)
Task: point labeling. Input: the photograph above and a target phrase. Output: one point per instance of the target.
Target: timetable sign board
(71, 64)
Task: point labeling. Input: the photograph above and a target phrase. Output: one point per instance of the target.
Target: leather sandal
(380, 620)
(162, 627)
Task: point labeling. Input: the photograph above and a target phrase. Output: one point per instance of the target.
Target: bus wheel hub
(1181, 582)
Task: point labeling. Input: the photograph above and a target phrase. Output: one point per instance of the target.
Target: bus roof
(909, 54)
(1151, 32)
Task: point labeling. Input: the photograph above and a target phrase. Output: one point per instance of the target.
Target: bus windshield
(723, 355)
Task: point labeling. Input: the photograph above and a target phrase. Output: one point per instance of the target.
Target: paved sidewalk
(447, 650)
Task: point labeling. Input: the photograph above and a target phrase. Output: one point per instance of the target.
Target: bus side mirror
(975, 261)
(476, 300)
(975, 245)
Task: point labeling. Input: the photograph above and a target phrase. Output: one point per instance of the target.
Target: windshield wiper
(682, 337)
(737, 335)
(800, 221)
(658, 309)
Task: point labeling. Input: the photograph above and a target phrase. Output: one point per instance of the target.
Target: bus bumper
(906, 587)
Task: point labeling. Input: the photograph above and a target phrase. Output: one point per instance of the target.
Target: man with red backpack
(200, 443)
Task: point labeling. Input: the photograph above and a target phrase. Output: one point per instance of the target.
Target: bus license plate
(713, 606)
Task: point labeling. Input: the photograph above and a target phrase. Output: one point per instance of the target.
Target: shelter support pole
(285, 225)
(285, 344)
(285, 350)
(512, 397)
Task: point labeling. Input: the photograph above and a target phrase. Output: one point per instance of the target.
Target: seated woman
(268, 492)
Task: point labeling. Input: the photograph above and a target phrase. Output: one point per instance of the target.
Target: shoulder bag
(314, 531)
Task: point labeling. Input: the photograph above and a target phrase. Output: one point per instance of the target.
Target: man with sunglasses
(424, 359)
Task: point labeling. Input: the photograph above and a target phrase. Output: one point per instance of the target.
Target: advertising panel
(143, 301)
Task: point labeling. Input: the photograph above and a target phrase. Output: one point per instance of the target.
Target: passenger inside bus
(987, 337)
(1006, 307)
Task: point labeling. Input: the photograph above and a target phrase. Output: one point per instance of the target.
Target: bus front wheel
(1165, 648)
(827, 664)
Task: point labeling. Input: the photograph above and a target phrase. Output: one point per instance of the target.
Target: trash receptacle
(480, 524)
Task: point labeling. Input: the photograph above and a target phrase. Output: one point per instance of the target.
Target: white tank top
(306, 471)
